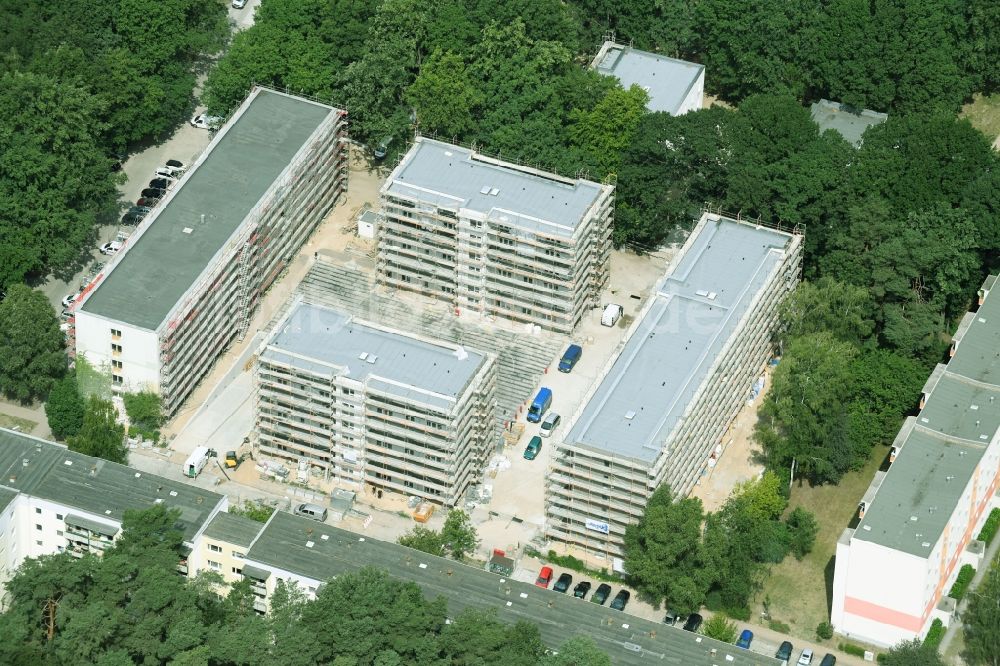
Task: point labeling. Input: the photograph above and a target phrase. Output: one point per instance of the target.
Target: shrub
(720, 628)
(851, 648)
(574, 564)
(990, 527)
(742, 613)
(934, 634)
(965, 575)
(824, 631)
(780, 627)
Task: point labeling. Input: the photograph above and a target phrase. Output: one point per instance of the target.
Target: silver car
(549, 423)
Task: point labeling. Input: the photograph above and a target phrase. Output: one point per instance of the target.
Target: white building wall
(8, 550)
(139, 355)
(695, 98)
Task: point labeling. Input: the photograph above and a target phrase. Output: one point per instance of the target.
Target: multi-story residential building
(680, 377)
(494, 238)
(187, 282)
(54, 500)
(920, 519)
(368, 404)
(674, 86)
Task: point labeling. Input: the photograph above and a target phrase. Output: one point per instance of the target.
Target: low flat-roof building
(920, 519)
(187, 282)
(371, 405)
(669, 394)
(847, 121)
(493, 237)
(674, 86)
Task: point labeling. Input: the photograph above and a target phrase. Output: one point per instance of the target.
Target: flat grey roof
(452, 177)
(328, 342)
(7, 496)
(944, 445)
(846, 121)
(236, 171)
(237, 530)
(322, 552)
(697, 307)
(667, 81)
(50, 471)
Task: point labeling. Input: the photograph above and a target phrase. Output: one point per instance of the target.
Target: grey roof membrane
(241, 164)
(668, 356)
(403, 365)
(322, 552)
(453, 177)
(666, 80)
(50, 471)
(849, 123)
(237, 530)
(921, 490)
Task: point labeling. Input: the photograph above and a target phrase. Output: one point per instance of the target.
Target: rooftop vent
(630, 414)
(188, 230)
(494, 191)
(866, 528)
(913, 519)
(363, 355)
(712, 295)
(137, 475)
(485, 189)
(372, 358)
(310, 544)
(173, 493)
(68, 463)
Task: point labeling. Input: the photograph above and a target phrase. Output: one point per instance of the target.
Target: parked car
(620, 600)
(784, 652)
(168, 172)
(153, 193)
(111, 247)
(132, 218)
(382, 149)
(746, 637)
(205, 121)
(570, 357)
(806, 657)
(581, 589)
(312, 511)
(612, 313)
(177, 164)
(670, 618)
(69, 299)
(565, 580)
(549, 423)
(146, 202)
(533, 449)
(693, 622)
(239, 4)
(162, 183)
(828, 660)
(544, 577)
(146, 210)
(601, 593)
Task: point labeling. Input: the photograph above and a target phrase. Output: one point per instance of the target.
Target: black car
(828, 660)
(693, 622)
(161, 183)
(784, 651)
(581, 589)
(601, 593)
(620, 600)
(133, 217)
(153, 193)
(670, 618)
(565, 580)
(177, 164)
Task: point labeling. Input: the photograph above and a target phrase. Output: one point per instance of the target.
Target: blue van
(539, 405)
(570, 357)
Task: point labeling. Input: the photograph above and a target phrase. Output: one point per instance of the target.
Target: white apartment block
(920, 519)
(53, 500)
(370, 405)
(494, 238)
(189, 279)
(667, 397)
(674, 86)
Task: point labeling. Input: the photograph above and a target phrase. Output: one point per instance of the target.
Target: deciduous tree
(64, 408)
(32, 352)
(458, 534)
(100, 435)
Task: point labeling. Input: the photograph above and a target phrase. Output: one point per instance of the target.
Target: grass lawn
(798, 591)
(15, 423)
(984, 114)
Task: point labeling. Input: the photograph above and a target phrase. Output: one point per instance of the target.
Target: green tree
(64, 408)
(444, 96)
(802, 531)
(981, 621)
(839, 308)
(884, 388)
(423, 539)
(577, 651)
(603, 132)
(145, 414)
(477, 637)
(720, 627)
(100, 434)
(912, 653)
(663, 552)
(458, 535)
(32, 351)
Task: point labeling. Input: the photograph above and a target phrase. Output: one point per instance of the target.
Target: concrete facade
(371, 405)
(188, 280)
(674, 86)
(680, 376)
(919, 520)
(494, 238)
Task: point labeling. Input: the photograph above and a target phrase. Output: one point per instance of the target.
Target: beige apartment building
(494, 238)
(687, 365)
(366, 404)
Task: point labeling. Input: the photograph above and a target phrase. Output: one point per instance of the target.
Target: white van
(612, 313)
(314, 511)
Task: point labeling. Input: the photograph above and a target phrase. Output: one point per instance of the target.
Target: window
(215, 565)
(215, 549)
(38, 527)
(117, 365)
(59, 516)
(117, 380)
(238, 555)
(38, 510)
(38, 543)
(237, 571)
(59, 532)
(116, 349)
(115, 333)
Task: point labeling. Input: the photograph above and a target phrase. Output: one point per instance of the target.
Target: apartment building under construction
(370, 405)
(687, 365)
(493, 237)
(186, 284)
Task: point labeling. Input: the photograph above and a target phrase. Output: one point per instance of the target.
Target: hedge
(574, 564)
(990, 527)
(851, 648)
(965, 575)
(934, 634)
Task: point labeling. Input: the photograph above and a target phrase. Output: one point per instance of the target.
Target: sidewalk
(956, 623)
